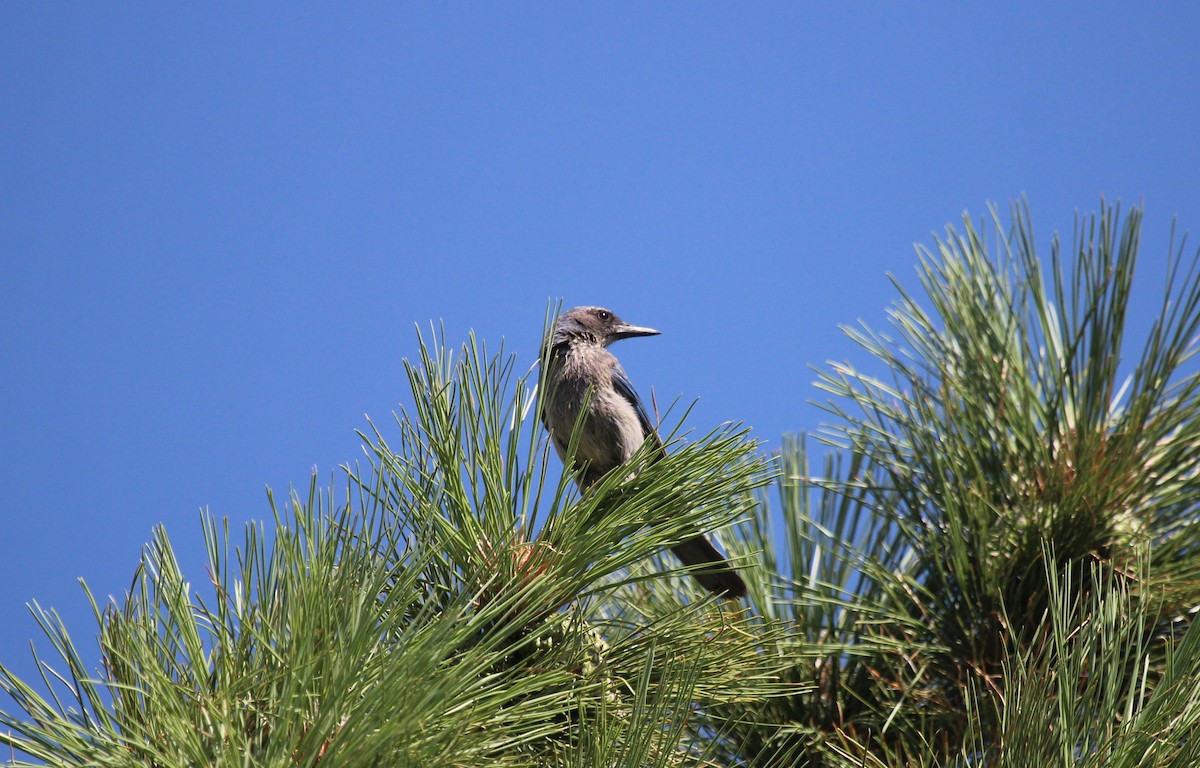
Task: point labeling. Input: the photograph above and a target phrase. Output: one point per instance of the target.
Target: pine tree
(997, 566)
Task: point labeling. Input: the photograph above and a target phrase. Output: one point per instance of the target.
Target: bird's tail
(711, 569)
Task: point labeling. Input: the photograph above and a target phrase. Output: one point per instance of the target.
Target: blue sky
(220, 223)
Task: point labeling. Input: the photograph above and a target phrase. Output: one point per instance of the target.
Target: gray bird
(578, 363)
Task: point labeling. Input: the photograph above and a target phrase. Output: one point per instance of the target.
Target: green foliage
(1013, 418)
(996, 567)
(452, 610)
(1091, 694)
(830, 588)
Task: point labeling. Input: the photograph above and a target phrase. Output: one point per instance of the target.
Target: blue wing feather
(624, 388)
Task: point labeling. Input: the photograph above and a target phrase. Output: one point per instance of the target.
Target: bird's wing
(624, 388)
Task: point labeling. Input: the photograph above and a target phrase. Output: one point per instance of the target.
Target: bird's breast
(611, 431)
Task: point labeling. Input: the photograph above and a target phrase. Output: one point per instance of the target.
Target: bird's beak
(627, 331)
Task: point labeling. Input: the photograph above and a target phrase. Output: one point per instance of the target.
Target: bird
(580, 371)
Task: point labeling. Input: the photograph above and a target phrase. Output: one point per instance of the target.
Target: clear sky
(219, 223)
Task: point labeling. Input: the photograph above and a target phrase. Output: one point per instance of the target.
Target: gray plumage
(617, 424)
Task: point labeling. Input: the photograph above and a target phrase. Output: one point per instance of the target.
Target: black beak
(627, 331)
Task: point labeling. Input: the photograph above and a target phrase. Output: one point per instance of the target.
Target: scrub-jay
(581, 369)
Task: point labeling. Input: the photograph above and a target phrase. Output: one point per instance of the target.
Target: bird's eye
(604, 315)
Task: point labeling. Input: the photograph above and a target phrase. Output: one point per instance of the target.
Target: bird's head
(595, 325)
